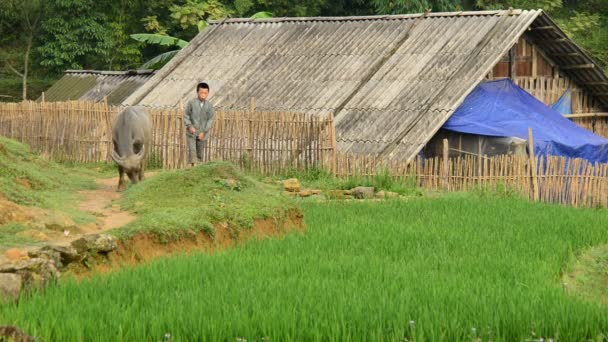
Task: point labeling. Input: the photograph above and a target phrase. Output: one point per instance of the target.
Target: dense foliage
(50, 36)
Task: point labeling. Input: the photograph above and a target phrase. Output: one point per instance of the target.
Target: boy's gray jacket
(199, 117)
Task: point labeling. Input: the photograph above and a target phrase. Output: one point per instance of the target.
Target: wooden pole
(445, 164)
(533, 173)
(334, 148)
(251, 113)
(513, 62)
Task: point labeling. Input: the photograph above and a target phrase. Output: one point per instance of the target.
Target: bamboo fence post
(445, 164)
(532, 158)
(251, 140)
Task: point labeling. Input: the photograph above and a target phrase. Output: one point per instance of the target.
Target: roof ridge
(374, 17)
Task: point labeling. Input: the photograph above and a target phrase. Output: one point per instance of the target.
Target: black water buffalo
(131, 137)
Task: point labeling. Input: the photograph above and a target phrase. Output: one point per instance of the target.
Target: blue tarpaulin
(564, 104)
(502, 109)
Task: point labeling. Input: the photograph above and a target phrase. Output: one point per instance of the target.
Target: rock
(50, 255)
(339, 194)
(29, 264)
(37, 272)
(305, 193)
(59, 255)
(309, 192)
(291, 185)
(362, 192)
(10, 286)
(14, 254)
(387, 194)
(68, 253)
(95, 243)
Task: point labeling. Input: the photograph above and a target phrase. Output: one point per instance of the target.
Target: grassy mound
(176, 202)
(27, 179)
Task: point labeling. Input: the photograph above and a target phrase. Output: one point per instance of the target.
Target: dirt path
(99, 203)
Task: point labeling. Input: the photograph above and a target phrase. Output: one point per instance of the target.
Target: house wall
(541, 78)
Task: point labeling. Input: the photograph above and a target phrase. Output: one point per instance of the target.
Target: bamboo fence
(597, 124)
(552, 179)
(272, 143)
(263, 141)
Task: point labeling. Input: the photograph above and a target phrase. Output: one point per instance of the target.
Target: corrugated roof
(94, 85)
(391, 81)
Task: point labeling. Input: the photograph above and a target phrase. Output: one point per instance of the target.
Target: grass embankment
(587, 275)
(173, 203)
(459, 268)
(28, 180)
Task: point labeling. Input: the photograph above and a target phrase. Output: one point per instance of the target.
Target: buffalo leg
(141, 173)
(122, 184)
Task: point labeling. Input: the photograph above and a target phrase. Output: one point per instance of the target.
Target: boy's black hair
(202, 85)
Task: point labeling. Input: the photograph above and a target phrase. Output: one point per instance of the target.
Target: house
(391, 82)
(95, 85)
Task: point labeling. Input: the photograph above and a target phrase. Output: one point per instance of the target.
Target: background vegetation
(39, 39)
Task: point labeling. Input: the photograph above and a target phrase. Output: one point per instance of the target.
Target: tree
(415, 6)
(192, 14)
(162, 40)
(76, 36)
(27, 15)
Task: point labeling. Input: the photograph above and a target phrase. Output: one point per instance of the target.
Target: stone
(29, 264)
(10, 286)
(96, 243)
(291, 185)
(39, 274)
(305, 193)
(339, 194)
(386, 194)
(363, 192)
(309, 192)
(50, 255)
(67, 253)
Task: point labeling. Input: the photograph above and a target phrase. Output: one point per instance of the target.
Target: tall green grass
(459, 268)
